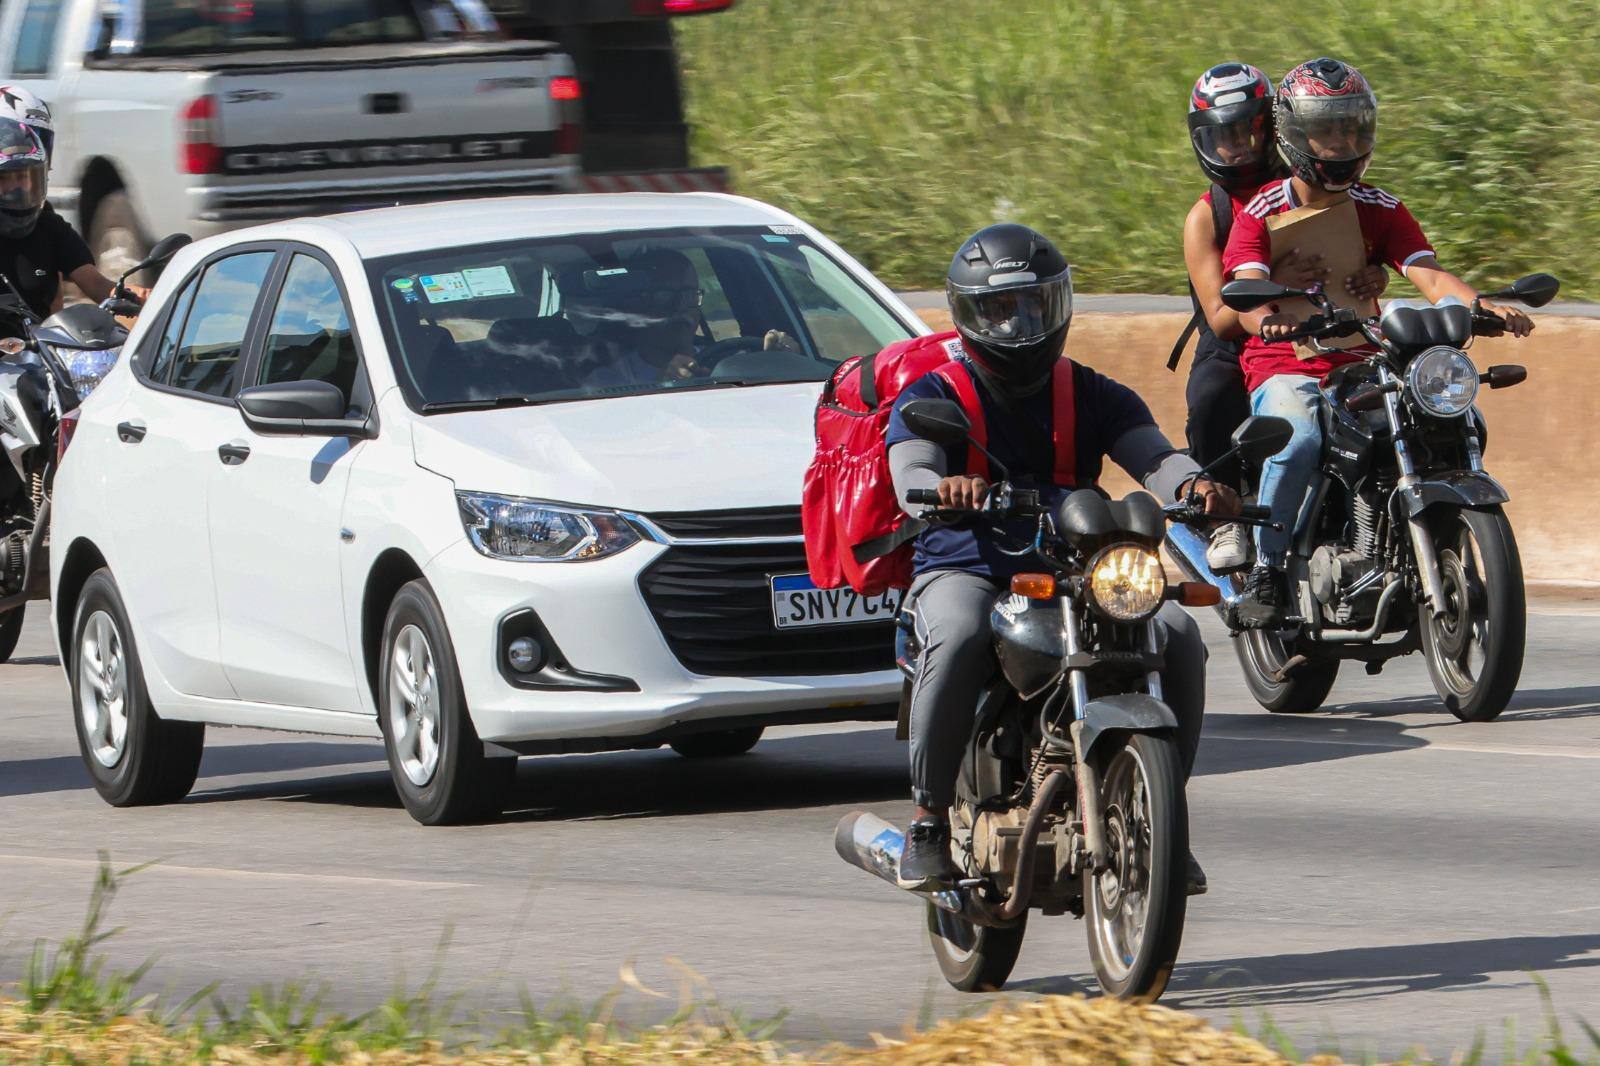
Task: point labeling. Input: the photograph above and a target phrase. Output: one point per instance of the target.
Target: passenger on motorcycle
(1327, 126)
(1010, 294)
(1230, 129)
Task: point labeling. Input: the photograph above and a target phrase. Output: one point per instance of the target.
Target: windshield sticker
(445, 288)
(793, 231)
(610, 273)
(490, 281)
(772, 238)
(406, 287)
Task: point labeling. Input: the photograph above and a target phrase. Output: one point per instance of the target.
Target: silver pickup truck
(204, 115)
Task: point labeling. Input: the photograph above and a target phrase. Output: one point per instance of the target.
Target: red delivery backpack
(854, 529)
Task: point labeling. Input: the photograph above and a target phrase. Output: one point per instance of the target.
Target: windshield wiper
(485, 404)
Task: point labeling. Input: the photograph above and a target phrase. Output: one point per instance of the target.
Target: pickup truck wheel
(721, 744)
(115, 237)
(10, 632)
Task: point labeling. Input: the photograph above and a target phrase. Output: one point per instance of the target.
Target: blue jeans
(1286, 477)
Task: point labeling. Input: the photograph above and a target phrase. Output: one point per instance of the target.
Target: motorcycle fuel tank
(1029, 642)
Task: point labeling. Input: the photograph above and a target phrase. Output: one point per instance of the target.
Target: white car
(488, 478)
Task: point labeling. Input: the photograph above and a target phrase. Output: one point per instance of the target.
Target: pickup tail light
(679, 7)
(64, 431)
(200, 153)
(565, 93)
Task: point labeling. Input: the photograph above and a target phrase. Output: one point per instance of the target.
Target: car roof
(424, 227)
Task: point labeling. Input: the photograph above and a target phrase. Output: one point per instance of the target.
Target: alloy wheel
(103, 689)
(414, 705)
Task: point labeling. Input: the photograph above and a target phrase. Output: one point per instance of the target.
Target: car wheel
(134, 757)
(10, 631)
(435, 757)
(718, 745)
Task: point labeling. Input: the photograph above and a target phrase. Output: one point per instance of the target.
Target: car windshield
(592, 315)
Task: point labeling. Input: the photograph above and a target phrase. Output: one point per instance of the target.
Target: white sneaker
(1229, 550)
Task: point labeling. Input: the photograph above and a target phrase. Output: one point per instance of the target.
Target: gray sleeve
(915, 464)
(1150, 459)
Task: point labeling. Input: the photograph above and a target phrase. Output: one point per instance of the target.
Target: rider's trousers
(1286, 477)
(952, 612)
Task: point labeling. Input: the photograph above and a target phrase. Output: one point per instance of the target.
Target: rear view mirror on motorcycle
(940, 421)
(1251, 293)
(1260, 437)
(1535, 290)
(165, 249)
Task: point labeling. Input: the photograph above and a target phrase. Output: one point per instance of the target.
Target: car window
(843, 319)
(159, 363)
(187, 27)
(207, 359)
(36, 39)
(309, 338)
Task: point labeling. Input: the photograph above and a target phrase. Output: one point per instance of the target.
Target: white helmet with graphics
(24, 106)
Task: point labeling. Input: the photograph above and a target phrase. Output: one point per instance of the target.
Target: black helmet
(24, 178)
(1010, 293)
(1327, 123)
(1230, 125)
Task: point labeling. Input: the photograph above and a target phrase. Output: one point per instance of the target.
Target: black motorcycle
(1071, 794)
(46, 369)
(1404, 543)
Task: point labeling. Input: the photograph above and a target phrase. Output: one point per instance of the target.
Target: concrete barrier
(1544, 435)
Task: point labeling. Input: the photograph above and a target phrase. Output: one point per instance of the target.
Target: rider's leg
(1285, 480)
(953, 629)
(1183, 686)
(1218, 402)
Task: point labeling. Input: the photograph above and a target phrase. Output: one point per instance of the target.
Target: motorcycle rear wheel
(1135, 908)
(10, 631)
(973, 958)
(1475, 649)
(1262, 654)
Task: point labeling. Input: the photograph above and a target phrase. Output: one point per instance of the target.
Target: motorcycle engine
(1344, 583)
(12, 557)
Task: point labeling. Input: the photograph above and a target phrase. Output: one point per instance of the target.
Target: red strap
(959, 378)
(1064, 422)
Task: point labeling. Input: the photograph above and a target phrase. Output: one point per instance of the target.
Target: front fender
(1459, 488)
(1129, 712)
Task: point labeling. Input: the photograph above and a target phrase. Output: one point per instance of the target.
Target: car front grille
(713, 603)
(762, 523)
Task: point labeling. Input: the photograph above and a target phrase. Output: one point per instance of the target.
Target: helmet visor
(24, 177)
(1018, 314)
(1240, 143)
(1337, 129)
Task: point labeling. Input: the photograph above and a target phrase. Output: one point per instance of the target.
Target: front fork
(1422, 546)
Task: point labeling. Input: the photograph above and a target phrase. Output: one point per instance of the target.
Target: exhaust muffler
(1188, 548)
(869, 843)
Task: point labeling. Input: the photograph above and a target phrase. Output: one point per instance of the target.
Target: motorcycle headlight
(86, 369)
(1443, 382)
(509, 527)
(1127, 582)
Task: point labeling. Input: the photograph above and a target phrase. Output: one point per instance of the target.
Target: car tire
(10, 631)
(435, 757)
(134, 757)
(116, 240)
(719, 745)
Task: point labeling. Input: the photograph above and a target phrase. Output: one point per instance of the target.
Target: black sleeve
(68, 251)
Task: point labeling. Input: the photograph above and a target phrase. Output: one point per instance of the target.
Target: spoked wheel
(1475, 646)
(1262, 655)
(1135, 907)
(974, 958)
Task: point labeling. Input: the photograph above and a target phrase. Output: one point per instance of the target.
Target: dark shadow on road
(1239, 743)
(1581, 701)
(63, 773)
(32, 660)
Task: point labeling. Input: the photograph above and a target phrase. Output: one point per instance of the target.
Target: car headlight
(509, 527)
(86, 369)
(1127, 582)
(1443, 381)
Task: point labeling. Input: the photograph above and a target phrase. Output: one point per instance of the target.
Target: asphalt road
(1378, 872)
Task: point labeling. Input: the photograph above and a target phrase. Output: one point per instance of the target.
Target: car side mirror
(1251, 293)
(1260, 437)
(299, 409)
(941, 421)
(1535, 290)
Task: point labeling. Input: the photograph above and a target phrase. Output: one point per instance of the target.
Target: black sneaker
(925, 863)
(1261, 601)
(1197, 877)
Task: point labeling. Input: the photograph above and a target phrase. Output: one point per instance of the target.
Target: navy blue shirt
(1105, 411)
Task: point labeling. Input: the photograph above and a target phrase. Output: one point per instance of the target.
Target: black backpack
(1222, 221)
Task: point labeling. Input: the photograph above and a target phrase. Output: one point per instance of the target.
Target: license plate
(797, 603)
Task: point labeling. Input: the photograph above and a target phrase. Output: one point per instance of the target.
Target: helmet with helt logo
(1010, 293)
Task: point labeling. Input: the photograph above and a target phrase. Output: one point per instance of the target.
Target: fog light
(525, 655)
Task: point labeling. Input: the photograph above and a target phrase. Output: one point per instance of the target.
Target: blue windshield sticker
(773, 238)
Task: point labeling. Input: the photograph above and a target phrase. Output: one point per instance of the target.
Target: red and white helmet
(24, 106)
(1230, 125)
(1327, 121)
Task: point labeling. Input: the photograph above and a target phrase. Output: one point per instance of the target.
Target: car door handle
(233, 453)
(131, 432)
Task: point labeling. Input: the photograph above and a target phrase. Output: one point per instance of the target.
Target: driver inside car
(636, 322)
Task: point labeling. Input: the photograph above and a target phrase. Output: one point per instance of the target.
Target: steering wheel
(715, 352)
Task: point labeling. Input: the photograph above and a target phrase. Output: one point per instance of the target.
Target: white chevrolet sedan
(488, 478)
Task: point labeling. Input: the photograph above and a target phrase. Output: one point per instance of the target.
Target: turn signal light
(1504, 376)
(64, 431)
(679, 7)
(1198, 594)
(1034, 586)
(1369, 398)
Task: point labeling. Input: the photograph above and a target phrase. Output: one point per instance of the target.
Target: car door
(168, 431)
(275, 513)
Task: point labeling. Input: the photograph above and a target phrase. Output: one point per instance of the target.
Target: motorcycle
(46, 370)
(1070, 797)
(1404, 542)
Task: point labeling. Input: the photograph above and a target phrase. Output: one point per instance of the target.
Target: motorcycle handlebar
(922, 496)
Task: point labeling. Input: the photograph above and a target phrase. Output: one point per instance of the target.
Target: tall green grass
(900, 126)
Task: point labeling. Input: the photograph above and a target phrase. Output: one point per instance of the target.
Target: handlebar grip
(922, 496)
(1255, 510)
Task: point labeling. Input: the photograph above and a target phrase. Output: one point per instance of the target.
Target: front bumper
(596, 615)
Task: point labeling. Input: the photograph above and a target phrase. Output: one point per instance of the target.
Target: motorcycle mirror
(1535, 290)
(165, 249)
(941, 421)
(1260, 437)
(1251, 293)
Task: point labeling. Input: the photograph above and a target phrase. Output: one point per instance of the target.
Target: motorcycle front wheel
(1135, 907)
(973, 958)
(1475, 647)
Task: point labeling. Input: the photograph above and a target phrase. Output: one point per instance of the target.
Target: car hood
(689, 451)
